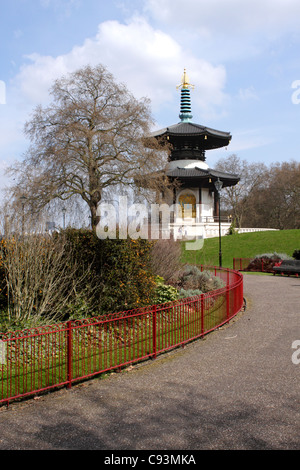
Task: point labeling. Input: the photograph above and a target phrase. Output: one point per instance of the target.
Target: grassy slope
(243, 246)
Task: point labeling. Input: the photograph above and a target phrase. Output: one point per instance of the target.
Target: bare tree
(91, 137)
(251, 176)
(277, 203)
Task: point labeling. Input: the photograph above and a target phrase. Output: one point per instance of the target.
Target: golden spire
(185, 82)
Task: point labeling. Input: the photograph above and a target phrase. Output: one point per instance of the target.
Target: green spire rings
(185, 107)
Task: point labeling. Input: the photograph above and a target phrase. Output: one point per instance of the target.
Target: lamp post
(64, 217)
(218, 186)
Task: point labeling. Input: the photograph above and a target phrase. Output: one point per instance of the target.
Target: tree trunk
(94, 217)
(95, 195)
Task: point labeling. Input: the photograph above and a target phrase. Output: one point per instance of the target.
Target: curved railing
(39, 359)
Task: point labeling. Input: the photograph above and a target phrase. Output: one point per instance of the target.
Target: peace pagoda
(197, 194)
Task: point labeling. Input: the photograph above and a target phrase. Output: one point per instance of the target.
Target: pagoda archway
(188, 203)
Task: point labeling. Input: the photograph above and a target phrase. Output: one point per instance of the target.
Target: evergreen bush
(232, 229)
(119, 270)
(296, 254)
(164, 293)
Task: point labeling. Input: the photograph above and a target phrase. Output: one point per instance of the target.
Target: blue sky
(242, 56)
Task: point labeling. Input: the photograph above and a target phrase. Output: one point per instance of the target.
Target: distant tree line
(266, 196)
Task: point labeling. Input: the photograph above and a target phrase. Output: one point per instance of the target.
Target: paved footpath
(236, 389)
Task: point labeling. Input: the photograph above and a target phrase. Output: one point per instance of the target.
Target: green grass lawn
(244, 245)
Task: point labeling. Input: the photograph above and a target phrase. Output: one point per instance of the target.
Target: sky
(243, 56)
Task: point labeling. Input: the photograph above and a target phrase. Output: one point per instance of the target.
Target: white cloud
(2, 92)
(149, 61)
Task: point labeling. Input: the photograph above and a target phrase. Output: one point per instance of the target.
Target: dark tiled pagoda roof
(209, 138)
(207, 177)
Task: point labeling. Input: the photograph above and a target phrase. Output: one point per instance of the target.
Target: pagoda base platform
(198, 230)
(192, 231)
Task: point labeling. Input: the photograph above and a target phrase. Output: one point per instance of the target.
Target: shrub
(72, 274)
(232, 229)
(183, 293)
(39, 279)
(266, 261)
(118, 270)
(3, 290)
(296, 254)
(164, 293)
(191, 278)
(165, 258)
(275, 255)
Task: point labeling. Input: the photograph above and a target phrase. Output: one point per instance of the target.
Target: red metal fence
(254, 264)
(44, 358)
(240, 264)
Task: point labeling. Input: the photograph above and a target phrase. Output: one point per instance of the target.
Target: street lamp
(218, 186)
